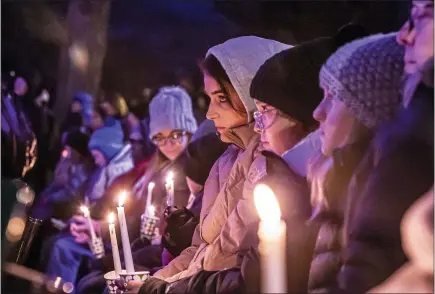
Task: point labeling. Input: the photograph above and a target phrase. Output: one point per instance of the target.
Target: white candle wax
(170, 188)
(273, 258)
(128, 258)
(272, 235)
(86, 214)
(149, 197)
(114, 242)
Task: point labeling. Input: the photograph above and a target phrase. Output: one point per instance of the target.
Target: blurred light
(111, 218)
(12, 73)
(65, 153)
(15, 229)
(79, 56)
(57, 282)
(68, 287)
(266, 204)
(122, 197)
(25, 195)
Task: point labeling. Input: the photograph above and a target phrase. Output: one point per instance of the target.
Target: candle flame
(111, 218)
(266, 203)
(151, 186)
(85, 210)
(122, 197)
(170, 177)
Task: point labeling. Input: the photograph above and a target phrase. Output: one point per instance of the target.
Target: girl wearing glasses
(172, 125)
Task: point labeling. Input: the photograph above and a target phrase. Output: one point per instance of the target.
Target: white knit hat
(171, 109)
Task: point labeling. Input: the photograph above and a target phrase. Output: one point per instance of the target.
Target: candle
(272, 235)
(151, 211)
(124, 235)
(149, 197)
(114, 241)
(170, 189)
(86, 213)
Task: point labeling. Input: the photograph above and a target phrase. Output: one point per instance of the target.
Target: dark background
(150, 42)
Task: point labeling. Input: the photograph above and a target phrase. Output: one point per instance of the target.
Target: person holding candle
(361, 83)
(228, 71)
(67, 250)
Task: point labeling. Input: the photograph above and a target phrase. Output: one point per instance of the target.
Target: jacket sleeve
(373, 250)
(226, 281)
(181, 262)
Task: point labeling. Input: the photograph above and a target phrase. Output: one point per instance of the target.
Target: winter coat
(66, 189)
(103, 177)
(227, 206)
(396, 171)
(417, 230)
(330, 178)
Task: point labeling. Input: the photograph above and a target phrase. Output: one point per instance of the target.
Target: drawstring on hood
(241, 58)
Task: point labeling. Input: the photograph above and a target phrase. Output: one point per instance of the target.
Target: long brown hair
(212, 67)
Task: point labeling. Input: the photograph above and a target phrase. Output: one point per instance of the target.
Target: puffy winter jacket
(329, 185)
(396, 171)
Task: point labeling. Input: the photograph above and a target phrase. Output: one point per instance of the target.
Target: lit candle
(170, 189)
(114, 241)
(124, 235)
(149, 197)
(272, 235)
(86, 213)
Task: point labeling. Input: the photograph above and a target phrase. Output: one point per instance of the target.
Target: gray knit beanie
(171, 109)
(366, 75)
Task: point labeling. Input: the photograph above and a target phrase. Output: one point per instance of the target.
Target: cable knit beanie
(201, 155)
(78, 141)
(289, 80)
(108, 140)
(171, 109)
(366, 76)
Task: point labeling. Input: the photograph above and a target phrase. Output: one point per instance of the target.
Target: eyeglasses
(175, 137)
(264, 119)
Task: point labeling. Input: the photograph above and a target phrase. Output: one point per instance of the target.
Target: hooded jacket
(227, 210)
(103, 177)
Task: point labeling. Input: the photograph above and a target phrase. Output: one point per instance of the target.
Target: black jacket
(395, 173)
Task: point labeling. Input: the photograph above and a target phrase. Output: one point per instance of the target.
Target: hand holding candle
(86, 214)
(124, 234)
(114, 242)
(272, 235)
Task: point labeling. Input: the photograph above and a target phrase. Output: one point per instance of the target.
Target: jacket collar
(240, 136)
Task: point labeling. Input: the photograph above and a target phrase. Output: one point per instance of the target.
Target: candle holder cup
(136, 276)
(114, 283)
(148, 226)
(97, 247)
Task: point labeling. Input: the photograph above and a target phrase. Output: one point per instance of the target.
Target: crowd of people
(340, 128)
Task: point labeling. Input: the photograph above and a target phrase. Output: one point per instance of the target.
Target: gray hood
(241, 58)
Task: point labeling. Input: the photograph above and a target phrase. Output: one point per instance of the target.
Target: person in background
(66, 251)
(228, 70)
(400, 165)
(80, 113)
(71, 175)
(358, 97)
(172, 125)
